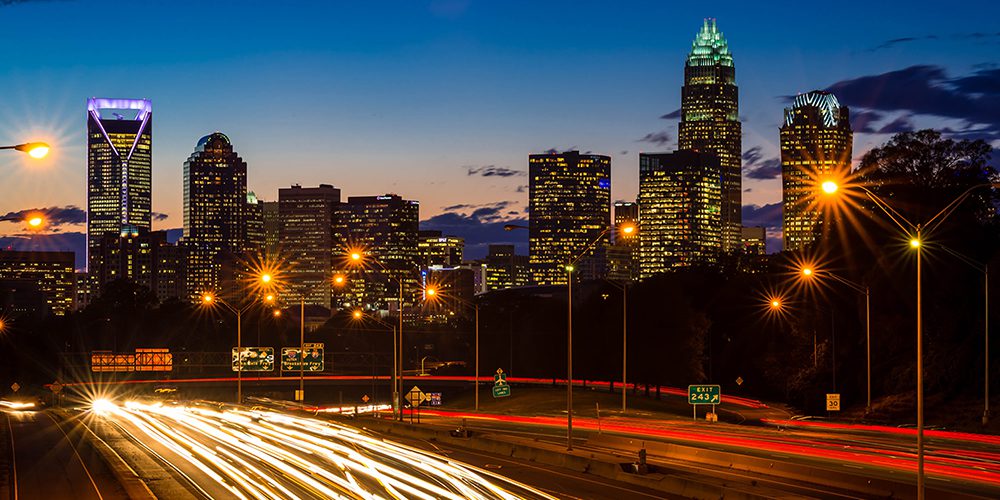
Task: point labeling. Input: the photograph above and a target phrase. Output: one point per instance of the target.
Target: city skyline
(465, 170)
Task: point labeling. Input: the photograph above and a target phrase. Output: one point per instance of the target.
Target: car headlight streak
(261, 453)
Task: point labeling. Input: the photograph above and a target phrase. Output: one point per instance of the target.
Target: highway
(48, 458)
(956, 462)
(230, 452)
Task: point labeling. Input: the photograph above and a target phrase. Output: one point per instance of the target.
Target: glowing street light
(807, 271)
(432, 293)
(829, 187)
(916, 234)
(265, 278)
(775, 304)
(37, 150)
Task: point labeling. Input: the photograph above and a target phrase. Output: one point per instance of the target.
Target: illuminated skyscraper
(119, 169)
(680, 196)
(45, 276)
(710, 120)
(385, 228)
(816, 140)
(622, 254)
(215, 210)
(569, 204)
(306, 238)
(439, 250)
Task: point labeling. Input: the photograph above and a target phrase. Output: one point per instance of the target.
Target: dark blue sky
(421, 98)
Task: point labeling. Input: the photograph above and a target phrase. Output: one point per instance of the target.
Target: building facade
(680, 200)
(816, 143)
(622, 265)
(147, 260)
(215, 210)
(385, 230)
(37, 282)
(569, 205)
(506, 269)
(710, 121)
(437, 249)
(272, 227)
(119, 169)
(306, 239)
(754, 241)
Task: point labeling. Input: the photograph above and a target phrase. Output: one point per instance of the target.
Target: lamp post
(433, 293)
(810, 273)
(357, 258)
(917, 234)
(358, 314)
(985, 269)
(209, 299)
(569, 267)
(37, 150)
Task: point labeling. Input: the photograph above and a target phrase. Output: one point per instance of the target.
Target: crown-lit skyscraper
(119, 169)
(569, 204)
(710, 121)
(215, 210)
(816, 141)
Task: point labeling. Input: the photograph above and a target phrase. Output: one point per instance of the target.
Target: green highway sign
(291, 361)
(501, 391)
(704, 394)
(254, 359)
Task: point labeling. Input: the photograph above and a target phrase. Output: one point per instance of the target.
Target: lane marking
(78, 457)
(13, 454)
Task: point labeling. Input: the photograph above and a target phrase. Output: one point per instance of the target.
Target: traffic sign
(500, 375)
(364, 399)
(291, 362)
(435, 398)
(255, 359)
(833, 402)
(501, 390)
(704, 394)
(56, 387)
(739, 380)
(416, 396)
(15, 387)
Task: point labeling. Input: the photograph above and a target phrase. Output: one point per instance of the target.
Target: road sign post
(311, 361)
(254, 359)
(704, 394)
(833, 402)
(415, 397)
(501, 388)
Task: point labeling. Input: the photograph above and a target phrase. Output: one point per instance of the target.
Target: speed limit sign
(833, 402)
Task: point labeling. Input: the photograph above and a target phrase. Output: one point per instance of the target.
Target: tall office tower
(569, 204)
(385, 228)
(119, 168)
(439, 250)
(621, 254)
(816, 141)
(256, 239)
(307, 218)
(710, 120)
(272, 227)
(680, 196)
(146, 260)
(215, 210)
(506, 269)
(40, 282)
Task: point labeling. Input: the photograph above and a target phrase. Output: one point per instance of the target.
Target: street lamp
(626, 229)
(37, 150)
(433, 293)
(357, 258)
(359, 315)
(208, 299)
(809, 273)
(916, 234)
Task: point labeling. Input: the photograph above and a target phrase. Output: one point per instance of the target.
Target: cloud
(673, 115)
(979, 37)
(160, 216)
(495, 171)
(755, 166)
(661, 138)
(768, 216)
(522, 189)
(551, 151)
(480, 226)
(862, 121)
(75, 242)
(54, 216)
(901, 124)
(926, 90)
(624, 152)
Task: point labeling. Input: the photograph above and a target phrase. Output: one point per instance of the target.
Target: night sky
(442, 101)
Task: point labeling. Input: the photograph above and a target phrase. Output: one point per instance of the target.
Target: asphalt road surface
(49, 459)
